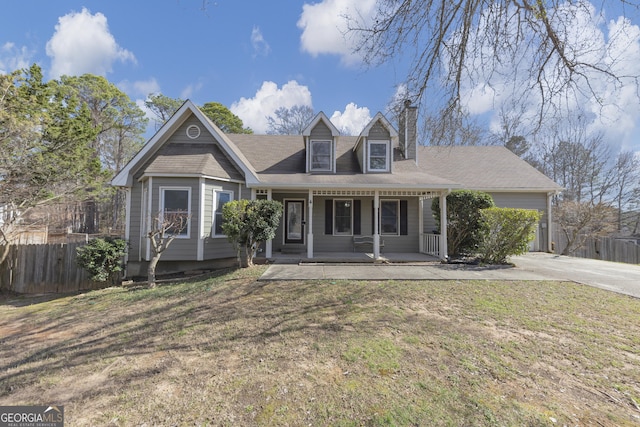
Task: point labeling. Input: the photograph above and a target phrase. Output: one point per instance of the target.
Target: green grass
(231, 350)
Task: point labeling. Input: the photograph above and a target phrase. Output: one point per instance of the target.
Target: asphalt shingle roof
(280, 159)
(484, 167)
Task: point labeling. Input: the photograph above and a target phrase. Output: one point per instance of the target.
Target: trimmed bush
(248, 223)
(506, 231)
(464, 225)
(102, 257)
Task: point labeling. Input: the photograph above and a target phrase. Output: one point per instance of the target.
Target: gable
(191, 150)
(378, 131)
(321, 131)
(174, 131)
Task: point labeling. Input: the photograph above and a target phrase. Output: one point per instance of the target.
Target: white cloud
(14, 58)
(83, 44)
(254, 111)
(189, 90)
(260, 45)
(140, 87)
(325, 29)
(352, 120)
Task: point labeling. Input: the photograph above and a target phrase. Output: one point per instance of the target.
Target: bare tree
(580, 162)
(290, 121)
(165, 227)
(484, 47)
(452, 129)
(581, 220)
(626, 187)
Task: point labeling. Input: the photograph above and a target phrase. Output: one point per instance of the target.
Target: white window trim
(397, 202)
(335, 233)
(387, 145)
(216, 191)
(161, 207)
(330, 163)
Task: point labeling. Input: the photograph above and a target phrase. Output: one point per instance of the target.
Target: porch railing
(431, 244)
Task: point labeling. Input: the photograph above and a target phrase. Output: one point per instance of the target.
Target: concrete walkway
(617, 277)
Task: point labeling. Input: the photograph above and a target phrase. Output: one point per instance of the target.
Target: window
(343, 217)
(321, 159)
(379, 156)
(175, 205)
(389, 217)
(220, 197)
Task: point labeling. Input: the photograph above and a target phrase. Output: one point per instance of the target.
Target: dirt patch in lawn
(230, 350)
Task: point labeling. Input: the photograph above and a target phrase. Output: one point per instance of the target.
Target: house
(334, 188)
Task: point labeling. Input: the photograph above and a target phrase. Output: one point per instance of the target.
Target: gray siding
(135, 217)
(180, 135)
(537, 201)
(321, 131)
(393, 243)
(217, 247)
(379, 132)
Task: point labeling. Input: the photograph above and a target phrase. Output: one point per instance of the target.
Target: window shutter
(328, 216)
(404, 218)
(373, 209)
(356, 218)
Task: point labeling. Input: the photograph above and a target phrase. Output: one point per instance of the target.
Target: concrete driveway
(616, 277)
(613, 276)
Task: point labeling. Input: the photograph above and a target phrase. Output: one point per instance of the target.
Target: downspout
(444, 250)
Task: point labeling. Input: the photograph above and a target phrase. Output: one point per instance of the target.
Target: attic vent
(193, 131)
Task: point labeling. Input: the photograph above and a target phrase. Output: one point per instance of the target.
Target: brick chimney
(408, 133)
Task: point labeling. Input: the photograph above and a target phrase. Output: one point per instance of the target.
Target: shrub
(507, 231)
(464, 225)
(248, 223)
(102, 257)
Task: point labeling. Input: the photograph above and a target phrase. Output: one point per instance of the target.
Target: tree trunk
(151, 271)
(248, 257)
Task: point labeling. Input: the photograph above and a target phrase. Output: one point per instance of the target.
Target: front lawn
(231, 350)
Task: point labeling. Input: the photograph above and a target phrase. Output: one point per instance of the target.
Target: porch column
(421, 224)
(550, 247)
(269, 243)
(444, 252)
(376, 227)
(310, 225)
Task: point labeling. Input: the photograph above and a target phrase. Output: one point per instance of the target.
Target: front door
(294, 221)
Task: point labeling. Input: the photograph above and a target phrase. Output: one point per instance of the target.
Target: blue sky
(252, 56)
(230, 51)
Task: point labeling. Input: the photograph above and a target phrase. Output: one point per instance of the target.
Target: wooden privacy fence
(46, 268)
(604, 248)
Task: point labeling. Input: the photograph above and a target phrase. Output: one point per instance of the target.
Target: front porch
(317, 222)
(351, 257)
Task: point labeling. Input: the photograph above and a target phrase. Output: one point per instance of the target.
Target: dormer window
(379, 156)
(321, 156)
